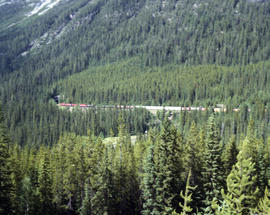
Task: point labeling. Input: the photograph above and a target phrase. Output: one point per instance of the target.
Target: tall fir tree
(148, 183)
(229, 155)
(29, 198)
(45, 186)
(102, 200)
(17, 176)
(212, 172)
(6, 187)
(240, 198)
(86, 203)
(193, 162)
(169, 169)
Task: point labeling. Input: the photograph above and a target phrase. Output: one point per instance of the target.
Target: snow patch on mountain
(3, 2)
(43, 6)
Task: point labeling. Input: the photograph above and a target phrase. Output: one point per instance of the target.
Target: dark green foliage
(169, 167)
(29, 197)
(132, 52)
(212, 172)
(149, 178)
(6, 187)
(229, 156)
(103, 200)
(119, 53)
(86, 203)
(84, 175)
(45, 185)
(193, 162)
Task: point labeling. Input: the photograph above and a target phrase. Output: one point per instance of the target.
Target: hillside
(128, 148)
(130, 52)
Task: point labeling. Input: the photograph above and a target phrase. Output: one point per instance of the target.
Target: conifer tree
(169, 167)
(6, 187)
(86, 203)
(264, 204)
(267, 159)
(133, 185)
(212, 172)
(187, 197)
(59, 167)
(229, 155)
(70, 176)
(33, 185)
(17, 177)
(240, 198)
(102, 201)
(193, 162)
(149, 192)
(253, 148)
(29, 198)
(261, 169)
(45, 185)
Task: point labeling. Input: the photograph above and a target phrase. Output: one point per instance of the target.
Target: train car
(217, 110)
(66, 105)
(83, 105)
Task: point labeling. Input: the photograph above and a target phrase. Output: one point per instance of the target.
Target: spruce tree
(212, 172)
(264, 204)
(29, 198)
(86, 203)
(17, 177)
(261, 169)
(229, 155)
(148, 183)
(240, 197)
(59, 167)
(193, 162)
(102, 200)
(253, 148)
(133, 185)
(45, 186)
(267, 159)
(6, 187)
(169, 168)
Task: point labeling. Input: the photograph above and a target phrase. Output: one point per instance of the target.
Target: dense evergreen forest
(167, 171)
(135, 52)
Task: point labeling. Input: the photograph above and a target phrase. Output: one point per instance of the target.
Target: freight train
(150, 108)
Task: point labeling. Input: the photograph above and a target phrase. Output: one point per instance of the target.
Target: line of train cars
(151, 108)
(95, 106)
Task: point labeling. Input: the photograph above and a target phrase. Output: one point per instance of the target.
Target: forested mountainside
(130, 52)
(200, 53)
